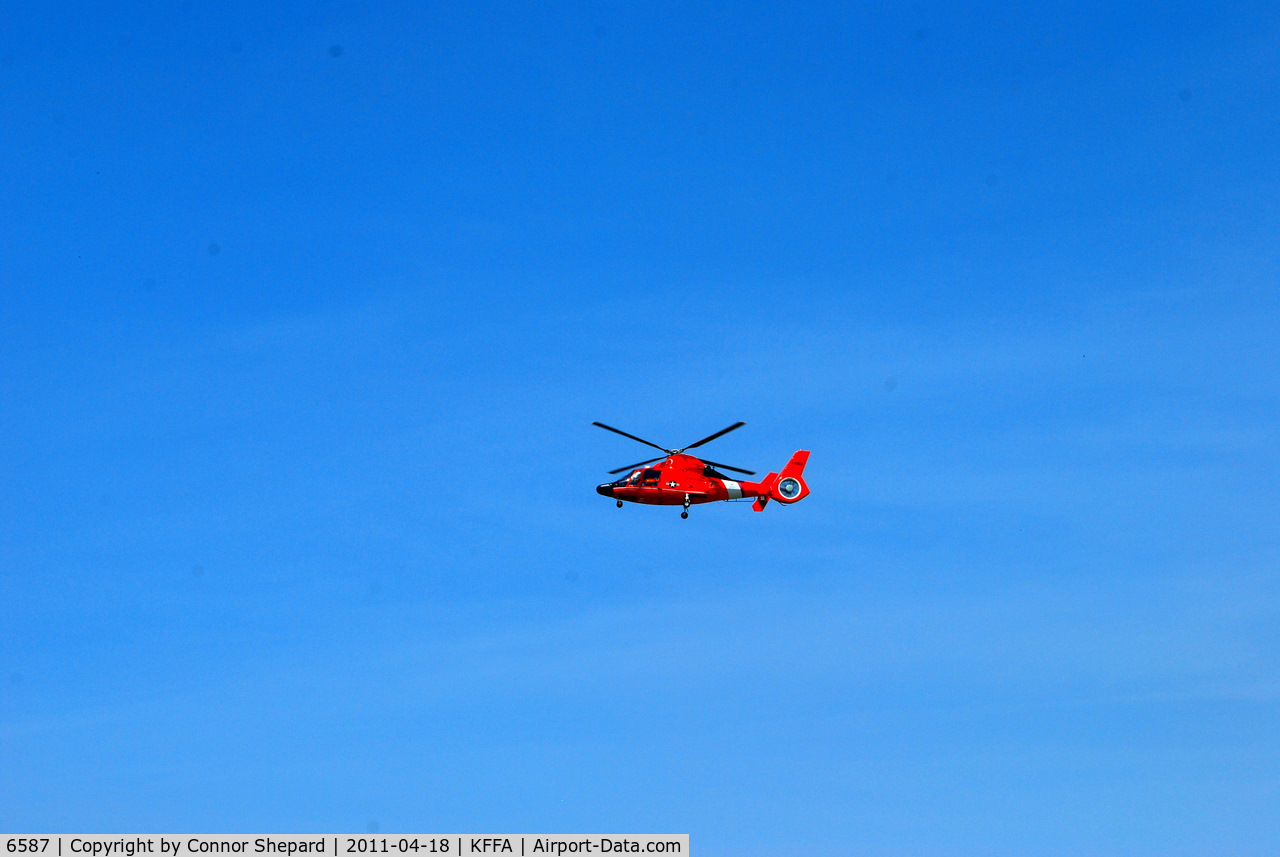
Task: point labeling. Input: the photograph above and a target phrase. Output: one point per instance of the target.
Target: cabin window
(650, 477)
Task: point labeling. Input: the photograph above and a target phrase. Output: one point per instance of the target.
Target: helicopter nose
(605, 490)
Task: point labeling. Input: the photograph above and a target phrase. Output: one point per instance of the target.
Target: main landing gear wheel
(619, 504)
(684, 514)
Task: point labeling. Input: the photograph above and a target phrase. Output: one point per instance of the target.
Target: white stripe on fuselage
(734, 489)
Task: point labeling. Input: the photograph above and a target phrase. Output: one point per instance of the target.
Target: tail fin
(785, 487)
(790, 487)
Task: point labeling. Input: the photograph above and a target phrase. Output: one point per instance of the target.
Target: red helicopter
(683, 480)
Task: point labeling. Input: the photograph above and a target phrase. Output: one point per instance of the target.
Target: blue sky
(306, 309)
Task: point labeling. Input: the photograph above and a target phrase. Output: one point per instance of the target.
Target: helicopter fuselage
(683, 480)
(668, 482)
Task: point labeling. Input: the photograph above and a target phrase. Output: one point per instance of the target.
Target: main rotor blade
(736, 425)
(727, 467)
(634, 466)
(633, 437)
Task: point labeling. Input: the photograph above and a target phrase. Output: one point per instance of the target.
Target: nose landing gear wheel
(619, 504)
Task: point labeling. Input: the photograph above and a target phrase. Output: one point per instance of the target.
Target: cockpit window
(650, 477)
